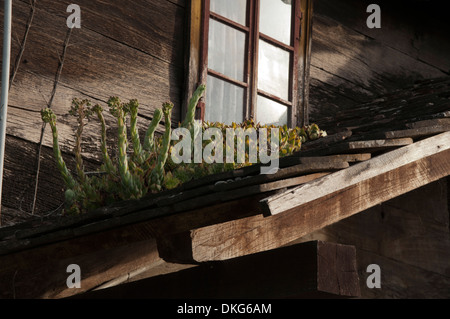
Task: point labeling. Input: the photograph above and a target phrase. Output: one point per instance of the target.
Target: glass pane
(273, 70)
(226, 50)
(235, 10)
(270, 112)
(275, 19)
(224, 102)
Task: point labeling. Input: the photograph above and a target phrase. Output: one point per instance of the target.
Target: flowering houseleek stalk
(147, 166)
(81, 110)
(157, 175)
(72, 186)
(108, 164)
(190, 115)
(131, 183)
(49, 117)
(149, 140)
(137, 148)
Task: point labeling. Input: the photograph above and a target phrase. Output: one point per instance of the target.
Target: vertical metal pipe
(7, 14)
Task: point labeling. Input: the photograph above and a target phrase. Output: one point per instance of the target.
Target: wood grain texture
(101, 257)
(359, 173)
(426, 41)
(407, 237)
(412, 229)
(351, 63)
(137, 25)
(307, 270)
(258, 233)
(423, 101)
(98, 64)
(128, 51)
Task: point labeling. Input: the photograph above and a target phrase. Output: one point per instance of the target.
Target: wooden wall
(130, 49)
(351, 64)
(136, 49)
(408, 237)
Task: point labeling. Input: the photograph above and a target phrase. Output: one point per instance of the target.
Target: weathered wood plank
(261, 179)
(257, 233)
(223, 191)
(398, 280)
(342, 51)
(189, 201)
(103, 68)
(349, 66)
(20, 177)
(429, 123)
(35, 80)
(411, 229)
(192, 52)
(421, 276)
(42, 272)
(301, 110)
(351, 158)
(323, 91)
(399, 28)
(369, 146)
(360, 172)
(163, 221)
(418, 132)
(138, 24)
(208, 215)
(267, 187)
(309, 269)
(326, 141)
(27, 125)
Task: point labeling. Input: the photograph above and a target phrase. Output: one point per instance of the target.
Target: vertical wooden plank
(204, 54)
(194, 22)
(204, 41)
(304, 61)
(254, 83)
(250, 57)
(294, 76)
(336, 265)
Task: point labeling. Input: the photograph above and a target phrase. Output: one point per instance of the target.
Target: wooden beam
(356, 174)
(301, 211)
(161, 221)
(429, 123)
(102, 257)
(418, 132)
(325, 141)
(264, 181)
(368, 146)
(306, 270)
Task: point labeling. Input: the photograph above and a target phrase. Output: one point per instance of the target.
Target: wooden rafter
(358, 173)
(220, 217)
(313, 269)
(302, 210)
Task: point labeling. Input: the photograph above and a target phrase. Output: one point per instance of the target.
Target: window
(251, 54)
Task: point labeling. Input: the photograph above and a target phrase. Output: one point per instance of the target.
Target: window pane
(273, 70)
(275, 19)
(235, 10)
(226, 50)
(224, 102)
(270, 112)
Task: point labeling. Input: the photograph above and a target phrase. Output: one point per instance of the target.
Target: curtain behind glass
(225, 101)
